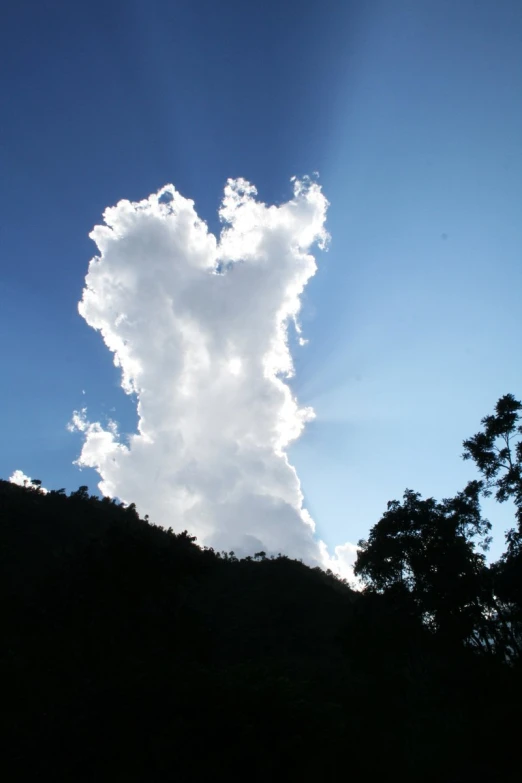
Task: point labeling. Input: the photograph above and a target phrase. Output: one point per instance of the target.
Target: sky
(395, 128)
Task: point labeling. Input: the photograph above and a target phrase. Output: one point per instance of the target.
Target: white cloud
(199, 329)
(342, 561)
(22, 480)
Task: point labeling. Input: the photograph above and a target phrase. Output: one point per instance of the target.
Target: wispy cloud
(199, 328)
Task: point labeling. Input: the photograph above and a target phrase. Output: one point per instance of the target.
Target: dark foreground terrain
(130, 654)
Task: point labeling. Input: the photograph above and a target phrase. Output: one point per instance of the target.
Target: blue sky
(410, 112)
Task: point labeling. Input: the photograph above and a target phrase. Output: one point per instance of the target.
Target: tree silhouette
(428, 549)
(497, 452)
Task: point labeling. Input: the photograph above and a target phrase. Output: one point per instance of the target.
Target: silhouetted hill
(130, 653)
(113, 622)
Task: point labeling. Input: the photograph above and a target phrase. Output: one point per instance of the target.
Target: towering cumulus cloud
(199, 328)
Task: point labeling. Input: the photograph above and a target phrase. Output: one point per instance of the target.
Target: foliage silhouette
(497, 453)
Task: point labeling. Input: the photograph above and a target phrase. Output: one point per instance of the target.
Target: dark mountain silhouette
(130, 653)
